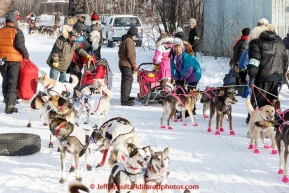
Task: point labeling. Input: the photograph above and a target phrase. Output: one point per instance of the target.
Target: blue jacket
(244, 60)
(189, 71)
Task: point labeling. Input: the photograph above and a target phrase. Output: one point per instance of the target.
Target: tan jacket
(126, 53)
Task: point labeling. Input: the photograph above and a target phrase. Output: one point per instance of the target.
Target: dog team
(132, 164)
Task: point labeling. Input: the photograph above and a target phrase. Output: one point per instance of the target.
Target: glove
(89, 57)
(156, 68)
(55, 64)
(134, 68)
(26, 56)
(251, 82)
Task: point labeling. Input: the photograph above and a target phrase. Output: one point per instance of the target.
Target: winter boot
(11, 109)
(127, 102)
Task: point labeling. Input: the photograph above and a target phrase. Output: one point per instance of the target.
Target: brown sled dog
(181, 103)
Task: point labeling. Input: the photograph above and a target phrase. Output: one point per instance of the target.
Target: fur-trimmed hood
(255, 33)
(65, 30)
(168, 40)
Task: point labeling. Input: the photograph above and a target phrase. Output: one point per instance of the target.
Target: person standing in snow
(62, 53)
(268, 62)
(96, 26)
(241, 45)
(196, 38)
(185, 68)
(12, 46)
(127, 65)
(161, 59)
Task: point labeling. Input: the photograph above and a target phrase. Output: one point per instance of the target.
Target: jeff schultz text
(143, 186)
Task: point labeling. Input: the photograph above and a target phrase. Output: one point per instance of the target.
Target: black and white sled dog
(128, 174)
(116, 132)
(75, 140)
(158, 169)
(94, 103)
(52, 87)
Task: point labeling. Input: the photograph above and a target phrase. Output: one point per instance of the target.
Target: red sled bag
(27, 85)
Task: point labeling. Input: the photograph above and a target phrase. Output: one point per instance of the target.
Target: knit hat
(79, 27)
(193, 20)
(246, 31)
(132, 31)
(179, 29)
(74, 33)
(11, 16)
(177, 41)
(94, 16)
(263, 21)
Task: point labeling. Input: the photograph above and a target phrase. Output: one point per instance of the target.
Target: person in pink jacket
(161, 59)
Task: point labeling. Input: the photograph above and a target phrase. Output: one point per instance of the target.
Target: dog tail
(75, 186)
(74, 81)
(266, 123)
(249, 105)
(108, 93)
(134, 140)
(113, 157)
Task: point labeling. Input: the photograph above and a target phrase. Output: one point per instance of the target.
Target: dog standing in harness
(75, 140)
(116, 132)
(128, 174)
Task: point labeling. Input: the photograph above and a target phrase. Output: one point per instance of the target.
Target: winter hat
(177, 41)
(94, 16)
(262, 21)
(193, 20)
(80, 27)
(82, 15)
(246, 31)
(74, 33)
(11, 17)
(132, 31)
(179, 29)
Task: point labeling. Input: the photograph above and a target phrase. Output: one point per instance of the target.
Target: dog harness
(116, 129)
(153, 176)
(90, 101)
(65, 93)
(44, 97)
(119, 167)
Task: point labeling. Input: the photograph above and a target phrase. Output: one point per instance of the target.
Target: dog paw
(251, 146)
(86, 122)
(195, 124)
(79, 179)
(274, 151)
(88, 167)
(221, 129)
(163, 126)
(206, 116)
(72, 169)
(98, 166)
(256, 151)
(267, 146)
(209, 130)
(170, 128)
(280, 171)
(29, 125)
(62, 180)
(285, 179)
(50, 145)
(217, 133)
(184, 124)
(232, 132)
(175, 120)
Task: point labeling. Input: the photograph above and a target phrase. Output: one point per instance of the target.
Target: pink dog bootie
(280, 171)
(206, 116)
(163, 126)
(209, 130)
(170, 128)
(267, 146)
(256, 151)
(217, 132)
(232, 132)
(221, 129)
(195, 124)
(285, 179)
(274, 151)
(251, 146)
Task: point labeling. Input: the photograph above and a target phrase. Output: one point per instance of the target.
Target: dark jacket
(12, 41)
(239, 50)
(181, 35)
(286, 42)
(268, 60)
(63, 50)
(196, 39)
(126, 52)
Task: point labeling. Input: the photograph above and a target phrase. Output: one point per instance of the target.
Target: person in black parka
(196, 38)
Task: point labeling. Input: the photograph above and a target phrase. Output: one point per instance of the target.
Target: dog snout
(163, 165)
(145, 159)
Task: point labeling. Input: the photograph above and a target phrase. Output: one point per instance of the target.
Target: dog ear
(166, 150)
(131, 148)
(45, 76)
(276, 104)
(78, 94)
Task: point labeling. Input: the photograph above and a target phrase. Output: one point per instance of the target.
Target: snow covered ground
(214, 163)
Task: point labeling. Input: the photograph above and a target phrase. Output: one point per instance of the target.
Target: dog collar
(132, 167)
(47, 85)
(59, 127)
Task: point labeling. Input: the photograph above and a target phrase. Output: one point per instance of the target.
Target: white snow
(214, 163)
